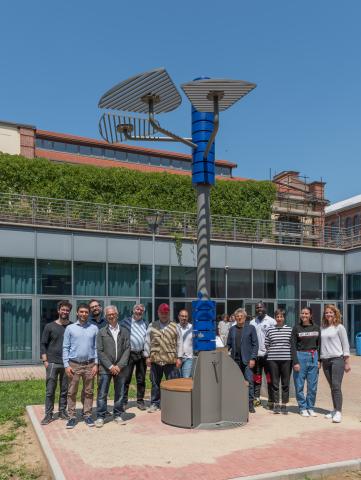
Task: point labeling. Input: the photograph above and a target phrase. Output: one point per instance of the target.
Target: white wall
(9, 140)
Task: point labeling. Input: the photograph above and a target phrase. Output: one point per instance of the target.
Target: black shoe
(284, 410)
(277, 409)
(47, 419)
(63, 415)
(71, 423)
(141, 406)
(89, 421)
(270, 406)
(108, 414)
(251, 408)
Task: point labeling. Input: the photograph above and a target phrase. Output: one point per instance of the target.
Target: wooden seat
(178, 385)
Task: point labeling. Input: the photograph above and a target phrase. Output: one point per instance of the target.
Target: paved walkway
(22, 373)
(147, 449)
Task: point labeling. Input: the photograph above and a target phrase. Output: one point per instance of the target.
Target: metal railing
(74, 215)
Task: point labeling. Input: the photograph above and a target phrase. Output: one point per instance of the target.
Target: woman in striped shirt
(278, 348)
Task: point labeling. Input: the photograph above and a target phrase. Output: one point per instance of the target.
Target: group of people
(269, 346)
(104, 348)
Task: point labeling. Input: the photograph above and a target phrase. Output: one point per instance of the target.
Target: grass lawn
(14, 397)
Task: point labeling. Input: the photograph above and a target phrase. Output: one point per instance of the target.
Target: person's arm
(345, 347)
(267, 342)
(178, 362)
(66, 351)
(294, 347)
(44, 343)
(124, 359)
(254, 342)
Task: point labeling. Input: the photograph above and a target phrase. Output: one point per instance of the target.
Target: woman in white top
(335, 356)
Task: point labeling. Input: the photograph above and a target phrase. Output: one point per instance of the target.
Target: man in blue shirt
(96, 314)
(81, 362)
(137, 328)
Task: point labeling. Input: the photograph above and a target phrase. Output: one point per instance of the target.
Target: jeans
(156, 374)
(308, 373)
(186, 368)
(280, 369)
(54, 371)
(333, 369)
(137, 361)
(248, 376)
(103, 389)
(262, 364)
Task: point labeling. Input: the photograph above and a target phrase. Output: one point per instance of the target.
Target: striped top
(137, 332)
(278, 343)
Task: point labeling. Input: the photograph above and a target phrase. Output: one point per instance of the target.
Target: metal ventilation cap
(202, 92)
(128, 95)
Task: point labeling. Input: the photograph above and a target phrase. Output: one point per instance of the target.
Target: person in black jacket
(51, 348)
(113, 346)
(243, 344)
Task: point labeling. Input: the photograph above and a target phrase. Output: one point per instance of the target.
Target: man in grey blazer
(113, 346)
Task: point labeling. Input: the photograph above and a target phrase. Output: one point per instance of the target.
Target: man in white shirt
(262, 324)
(186, 330)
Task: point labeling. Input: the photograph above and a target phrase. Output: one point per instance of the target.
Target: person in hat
(163, 352)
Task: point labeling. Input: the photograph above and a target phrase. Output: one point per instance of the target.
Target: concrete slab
(270, 446)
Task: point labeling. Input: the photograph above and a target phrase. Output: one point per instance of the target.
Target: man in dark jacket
(243, 345)
(113, 348)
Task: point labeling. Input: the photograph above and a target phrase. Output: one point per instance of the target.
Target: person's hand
(94, 371)
(347, 367)
(178, 363)
(148, 362)
(118, 369)
(319, 365)
(251, 363)
(296, 367)
(46, 364)
(69, 372)
(113, 370)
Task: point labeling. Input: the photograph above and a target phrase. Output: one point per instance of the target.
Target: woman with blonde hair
(335, 356)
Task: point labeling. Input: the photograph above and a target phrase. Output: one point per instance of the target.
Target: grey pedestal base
(217, 397)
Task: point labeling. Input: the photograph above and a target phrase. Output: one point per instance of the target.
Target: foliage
(121, 186)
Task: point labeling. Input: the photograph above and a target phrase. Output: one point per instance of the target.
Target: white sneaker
(337, 417)
(304, 413)
(153, 408)
(330, 415)
(312, 413)
(99, 422)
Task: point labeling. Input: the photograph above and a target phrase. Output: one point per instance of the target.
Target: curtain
(16, 275)
(16, 329)
(89, 279)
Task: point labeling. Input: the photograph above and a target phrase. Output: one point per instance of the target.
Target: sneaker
(89, 421)
(108, 414)
(71, 423)
(337, 417)
(99, 422)
(257, 402)
(141, 406)
(153, 408)
(251, 408)
(330, 415)
(63, 415)
(120, 420)
(270, 406)
(284, 410)
(312, 413)
(304, 413)
(47, 419)
(277, 409)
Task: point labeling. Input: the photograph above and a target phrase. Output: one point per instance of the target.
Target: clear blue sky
(58, 58)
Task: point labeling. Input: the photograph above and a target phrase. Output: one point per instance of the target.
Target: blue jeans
(308, 373)
(186, 368)
(248, 376)
(103, 389)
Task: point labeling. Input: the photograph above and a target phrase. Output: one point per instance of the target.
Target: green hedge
(41, 177)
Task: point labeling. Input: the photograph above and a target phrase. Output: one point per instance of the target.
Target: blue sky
(58, 58)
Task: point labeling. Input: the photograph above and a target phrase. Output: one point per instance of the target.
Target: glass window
(49, 312)
(123, 280)
(354, 286)
(54, 277)
(39, 143)
(288, 285)
(146, 280)
(59, 146)
(97, 152)
(143, 159)
(161, 281)
(16, 329)
(119, 155)
(353, 321)
(154, 160)
(177, 163)
(239, 283)
(147, 302)
(232, 306)
(85, 150)
(16, 275)
(311, 285)
(178, 306)
(218, 283)
(72, 148)
(133, 157)
(348, 222)
(89, 278)
(264, 284)
(108, 153)
(332, 284)
(292, 311)
(125, 308)
(48, 144)
(184, 282)
(165, 162)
